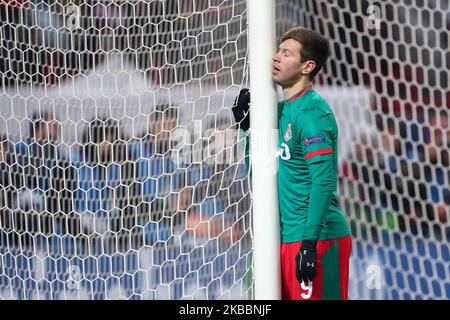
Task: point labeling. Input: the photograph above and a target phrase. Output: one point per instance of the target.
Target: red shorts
(331, 282)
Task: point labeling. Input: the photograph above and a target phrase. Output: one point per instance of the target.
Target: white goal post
(263, 147)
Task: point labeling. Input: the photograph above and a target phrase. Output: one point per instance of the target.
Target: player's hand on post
(241, 110)
(306, 261)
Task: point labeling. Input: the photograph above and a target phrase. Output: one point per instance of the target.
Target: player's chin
(276, 78)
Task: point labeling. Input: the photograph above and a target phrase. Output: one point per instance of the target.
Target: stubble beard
(286, 83)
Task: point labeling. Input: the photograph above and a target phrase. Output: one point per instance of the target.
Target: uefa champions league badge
(288, 133)
(312, 140)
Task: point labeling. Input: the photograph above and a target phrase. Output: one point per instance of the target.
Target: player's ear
(308, 66)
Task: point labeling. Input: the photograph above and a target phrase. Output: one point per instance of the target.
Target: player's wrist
(309, 244)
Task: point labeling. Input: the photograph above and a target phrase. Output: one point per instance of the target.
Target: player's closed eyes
(284, 52)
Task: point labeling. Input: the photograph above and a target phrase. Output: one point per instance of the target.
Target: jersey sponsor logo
(309, 141)
(288, 133)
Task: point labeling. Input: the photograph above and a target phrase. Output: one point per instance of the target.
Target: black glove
(306, 261)
(241, 110)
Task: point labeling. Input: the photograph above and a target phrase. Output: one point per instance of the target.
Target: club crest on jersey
(288, 133)
(312, 140)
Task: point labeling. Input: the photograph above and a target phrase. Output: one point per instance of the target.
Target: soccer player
(315, 238)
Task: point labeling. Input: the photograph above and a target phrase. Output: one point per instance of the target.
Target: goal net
(123, 177)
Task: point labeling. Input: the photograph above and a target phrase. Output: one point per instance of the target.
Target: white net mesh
(121, 176)
(121, 173)
(387, 81)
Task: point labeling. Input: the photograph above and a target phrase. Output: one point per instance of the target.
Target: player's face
(286, 66)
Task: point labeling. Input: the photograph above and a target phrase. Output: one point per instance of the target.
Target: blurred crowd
(126, 191)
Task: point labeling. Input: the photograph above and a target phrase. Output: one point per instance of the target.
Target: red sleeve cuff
(318, 153)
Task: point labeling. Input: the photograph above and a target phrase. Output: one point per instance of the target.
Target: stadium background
(95, 205)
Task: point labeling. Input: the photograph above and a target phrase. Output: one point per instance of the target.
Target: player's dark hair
(314, 47)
